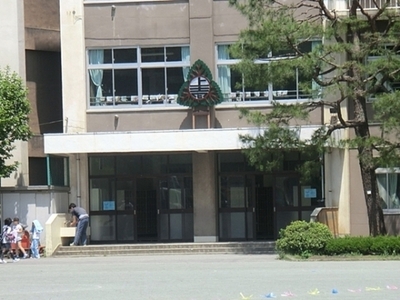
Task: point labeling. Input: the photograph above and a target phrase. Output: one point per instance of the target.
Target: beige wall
(73, 65)
(204, 195)
(358, 209)
(42, 25)
(12, 49)
(136, 24)
(171, 119)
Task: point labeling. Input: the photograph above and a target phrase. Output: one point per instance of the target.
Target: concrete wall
(137, 24)
(358, 208)
(204, 195)
(73, 65)
(42, 25)
(33, 204)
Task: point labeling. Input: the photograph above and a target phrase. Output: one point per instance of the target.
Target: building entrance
(128, 205)
(255, 205)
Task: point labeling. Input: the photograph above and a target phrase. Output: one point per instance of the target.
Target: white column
(73, 65)
(12, 49)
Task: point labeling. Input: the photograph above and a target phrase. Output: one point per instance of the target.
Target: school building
(150, 170)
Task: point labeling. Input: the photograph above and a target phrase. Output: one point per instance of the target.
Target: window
(232, 83)
(137, 76)
(389, 187)
(389, 85)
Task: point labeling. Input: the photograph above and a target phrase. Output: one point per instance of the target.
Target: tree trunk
(370, 187)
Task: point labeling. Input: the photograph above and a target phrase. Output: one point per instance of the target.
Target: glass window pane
(175, 226)
(107, 56)
(154, 164)
(232, 225)
(126, 84)
(100, 195)
(174, 193)
(175, 53)
(125, 198)
(153, 83)
(125, 228)
(188, 192)
(101, 165)
(181, 163)
(284, 218)
(100, 86)
(164, 227)
(125, 56)
(102, 228)
(175, 79)
(152, 54)
(164, 194)
(232, 192)
(287, 192)
(129, 165)
(99, 56)
(231, 162)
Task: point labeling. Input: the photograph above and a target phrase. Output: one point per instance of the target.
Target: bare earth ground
(198, 277)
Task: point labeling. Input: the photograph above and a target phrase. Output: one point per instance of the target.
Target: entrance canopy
(153, 141)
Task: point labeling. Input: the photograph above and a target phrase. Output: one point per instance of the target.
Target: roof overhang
(198, 140)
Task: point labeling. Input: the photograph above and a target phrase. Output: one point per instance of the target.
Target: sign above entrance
(200, 90)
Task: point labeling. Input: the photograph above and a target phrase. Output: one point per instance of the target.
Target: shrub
(303, 238)
(349, 245)
(381, 245)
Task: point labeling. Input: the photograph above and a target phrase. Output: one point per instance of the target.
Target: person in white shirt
(20, 232)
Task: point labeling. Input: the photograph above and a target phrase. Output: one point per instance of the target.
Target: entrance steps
(170, 249)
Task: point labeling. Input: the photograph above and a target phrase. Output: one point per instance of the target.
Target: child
(8, 237)
(20, 232)
(35, 237)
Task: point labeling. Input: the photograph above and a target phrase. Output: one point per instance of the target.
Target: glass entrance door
(287, 201)
(146, 210)
(264, 207)
(236, 209)
(176, 208)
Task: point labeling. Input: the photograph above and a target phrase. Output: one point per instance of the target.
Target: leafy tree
(14, 110)
(358, 62)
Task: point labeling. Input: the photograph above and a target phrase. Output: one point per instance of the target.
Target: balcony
(343, 5)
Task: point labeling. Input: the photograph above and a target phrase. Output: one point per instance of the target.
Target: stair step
(182, 248)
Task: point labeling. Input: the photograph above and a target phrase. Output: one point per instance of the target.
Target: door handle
(134, 212)
(158, 211)
(254, 209)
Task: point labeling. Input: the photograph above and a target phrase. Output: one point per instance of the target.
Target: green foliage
(14, 110)
(303, 238)
(380, 245)
(357, 61)
(214, 96)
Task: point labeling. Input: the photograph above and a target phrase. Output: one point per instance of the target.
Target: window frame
(139, 66)
(272, 95)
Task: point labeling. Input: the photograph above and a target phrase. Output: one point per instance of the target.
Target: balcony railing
(343, 5)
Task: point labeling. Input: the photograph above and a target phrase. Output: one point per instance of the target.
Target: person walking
(36, 230)
(80, 219)
(20, 233)
(8, 237)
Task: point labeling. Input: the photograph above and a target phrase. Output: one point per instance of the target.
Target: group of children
(12, 233)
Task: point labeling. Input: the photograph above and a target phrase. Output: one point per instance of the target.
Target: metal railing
(343, 5)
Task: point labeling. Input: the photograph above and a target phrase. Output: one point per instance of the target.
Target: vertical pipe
(48, 170)
(78, 179)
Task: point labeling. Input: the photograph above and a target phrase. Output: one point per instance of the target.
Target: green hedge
(380, 245)
(303, 238)
(306, 239)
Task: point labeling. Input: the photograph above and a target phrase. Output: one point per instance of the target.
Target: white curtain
(185, 52)
(96, 57)
(224, 72)
(382, 185)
